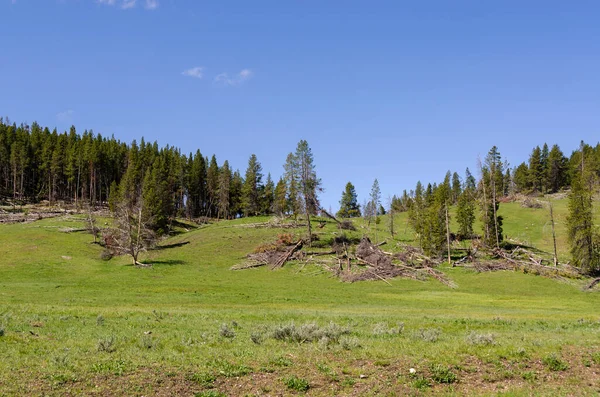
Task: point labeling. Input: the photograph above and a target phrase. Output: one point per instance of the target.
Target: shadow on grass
(167, 246)
(168, 262)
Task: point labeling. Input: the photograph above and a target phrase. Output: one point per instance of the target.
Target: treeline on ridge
(38, 164)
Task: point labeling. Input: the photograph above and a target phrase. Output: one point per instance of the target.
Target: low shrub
(295, 383)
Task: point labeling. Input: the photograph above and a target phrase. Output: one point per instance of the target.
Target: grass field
(72, 324)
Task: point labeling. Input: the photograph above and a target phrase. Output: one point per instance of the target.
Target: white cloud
(66, 116)
(128, 4)
(196, 72)
(151, 4)
(239, 78)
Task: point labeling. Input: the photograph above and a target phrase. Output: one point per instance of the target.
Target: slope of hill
(72, 323)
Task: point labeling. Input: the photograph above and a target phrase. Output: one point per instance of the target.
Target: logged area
(72, 323)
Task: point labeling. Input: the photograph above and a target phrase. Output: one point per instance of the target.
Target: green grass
(74, 324)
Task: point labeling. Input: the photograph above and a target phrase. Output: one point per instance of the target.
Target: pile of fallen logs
(352, 262)
(518, 259)
(370, 262)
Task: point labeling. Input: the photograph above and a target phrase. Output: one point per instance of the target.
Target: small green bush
(421, 383)
(203, 379)
(554, 363)
(210, 393)
(442, 374)
(295, 383)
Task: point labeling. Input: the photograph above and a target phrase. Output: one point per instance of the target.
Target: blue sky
(394, 90)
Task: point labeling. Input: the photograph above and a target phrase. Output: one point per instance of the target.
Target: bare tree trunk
(553, 234)
(447, 233)
(495, 215)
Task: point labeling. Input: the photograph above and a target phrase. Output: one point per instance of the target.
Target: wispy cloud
(66, 116)
(197, 72)
(237, 79)
(151, 4)
(128, 4)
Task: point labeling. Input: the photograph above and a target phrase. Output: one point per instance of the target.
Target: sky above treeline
(394, 90)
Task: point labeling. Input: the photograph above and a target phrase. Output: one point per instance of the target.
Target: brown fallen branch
(249, 266)
(315, 253)
(285, 257)
(381, 278)
(593, 283)
(328, 215)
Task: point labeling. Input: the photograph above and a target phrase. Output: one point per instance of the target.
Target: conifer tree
(280, 201)
(212, 187)
(374, 201)
(491, 189)
(456, 187)
(556, 170)
(580, 225)
(536, 170)
(521, 178)
(349, 207)
(267, 196)
(465, 213)
(236, 206)
(309, 184)
(224, 191)
(252, 187)
(416, 213)
(292, 179)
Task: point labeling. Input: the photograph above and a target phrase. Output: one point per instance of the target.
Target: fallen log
(249, 266)
(287, 255)
(593, 283)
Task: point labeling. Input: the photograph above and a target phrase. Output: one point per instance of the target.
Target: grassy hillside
(74, 324)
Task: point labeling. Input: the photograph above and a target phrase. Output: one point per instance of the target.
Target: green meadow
(74, 324)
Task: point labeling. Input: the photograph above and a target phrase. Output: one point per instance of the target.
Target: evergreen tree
(267, 196)
(580, 219)
(416, 213)
(456, 188)
(196, 185)
(536, 170)
(309, 184)
(280, 202)
(349, 207)
(434, 231)
(236, 206)
(212, 187)
(292, 179)
(470, 182)
(224, 191)
(544, 157)
(252, 187)
(556, 170)
(521, 178)
(374, 201)
(465, 213)
(491, 187)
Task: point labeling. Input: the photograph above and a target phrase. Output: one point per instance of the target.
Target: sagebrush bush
(226, 332)
(106, 344)
(481, 339)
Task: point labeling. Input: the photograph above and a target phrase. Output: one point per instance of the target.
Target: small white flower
(412, 371)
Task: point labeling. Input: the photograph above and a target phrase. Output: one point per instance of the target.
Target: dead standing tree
(309, 183)
(131, 233)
